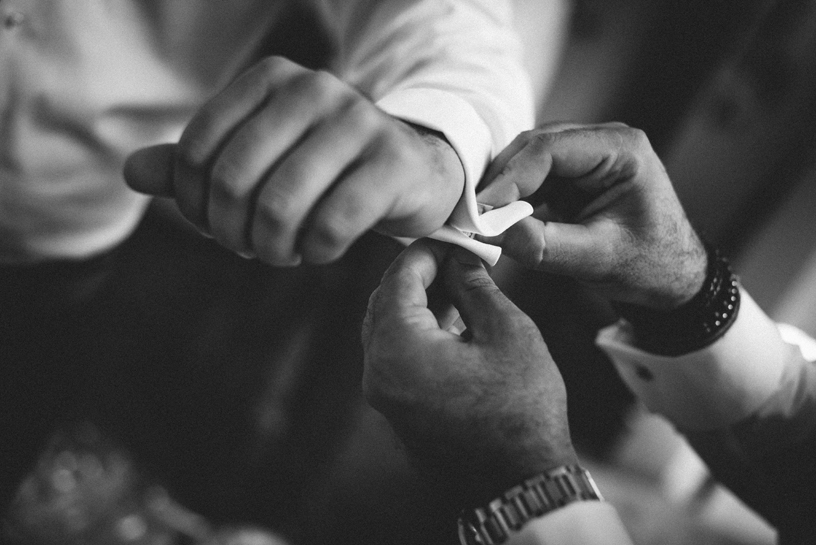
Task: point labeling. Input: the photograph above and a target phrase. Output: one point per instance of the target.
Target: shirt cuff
(470, 137)
(714, 387)
(578, 523)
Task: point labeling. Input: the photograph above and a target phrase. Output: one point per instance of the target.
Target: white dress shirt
(84, 83)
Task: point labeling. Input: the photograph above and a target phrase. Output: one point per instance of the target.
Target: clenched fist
(290, 164)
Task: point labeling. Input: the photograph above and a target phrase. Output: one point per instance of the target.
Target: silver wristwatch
(533, 498)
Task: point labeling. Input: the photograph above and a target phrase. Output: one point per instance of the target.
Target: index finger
(593, 157)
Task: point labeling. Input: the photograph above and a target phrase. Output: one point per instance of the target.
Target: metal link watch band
(533, 498)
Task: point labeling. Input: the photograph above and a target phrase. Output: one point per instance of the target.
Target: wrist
(696, 323)
(679, 282)
(469, 476)
(446, 159)
(481, 487)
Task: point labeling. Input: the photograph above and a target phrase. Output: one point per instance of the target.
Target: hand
(289, 164)
(607, 213)
(480, 412)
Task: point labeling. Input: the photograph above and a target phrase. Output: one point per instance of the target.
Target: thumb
(485, 310)
(150, 170)
(570, 249)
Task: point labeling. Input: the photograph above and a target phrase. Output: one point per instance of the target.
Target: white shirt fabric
(710, 388)
(746, 403)
(85, 83)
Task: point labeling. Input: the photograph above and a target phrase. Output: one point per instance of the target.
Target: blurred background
(726, 91)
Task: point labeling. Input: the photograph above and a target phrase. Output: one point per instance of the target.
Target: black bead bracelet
(695, 324)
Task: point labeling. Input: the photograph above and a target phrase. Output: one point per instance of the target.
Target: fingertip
(525, 242)
(424, 252)
(150, 170)
(498, 193)
(482, 305)
(405, 283)
(414, 270)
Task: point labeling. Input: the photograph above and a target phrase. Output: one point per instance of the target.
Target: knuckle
(270, 68)
(637, 139)
(318, 87)
(276, 210)
(635, 148)
(192, 150)
(225, 183)
(324, 79)
(268, 248)
(272, 73)
(329, 233)
(391, 148)
(388, 151)
(366, 118)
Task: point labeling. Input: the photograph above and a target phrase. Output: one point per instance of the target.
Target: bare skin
(479, 412)
(291, 165)
(627, 238)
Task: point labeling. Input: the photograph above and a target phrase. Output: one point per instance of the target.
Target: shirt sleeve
(579, 523)
(710, 388)
(747, 404)
(454, 66)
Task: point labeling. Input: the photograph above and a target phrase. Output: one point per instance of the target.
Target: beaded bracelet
(695, 324)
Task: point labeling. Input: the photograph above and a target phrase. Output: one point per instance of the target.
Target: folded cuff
(470, 137)
(716, 386)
